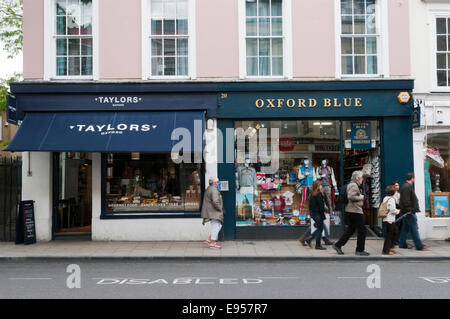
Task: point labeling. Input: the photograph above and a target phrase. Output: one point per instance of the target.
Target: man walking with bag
(212, 211)
(409, 205)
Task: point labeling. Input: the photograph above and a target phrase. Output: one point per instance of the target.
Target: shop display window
(144, 182)
(436, 168)
(308, 150)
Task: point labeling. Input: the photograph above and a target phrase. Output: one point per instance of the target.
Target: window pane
(60, 25)
(73, 7)
(347, 65)
(86, 25)
(264, 47)
(346, 46)
(358, 7)
(277, 26)
(251, 27)
(277, 8)
(371, 45)
(277, 47)
(277, 66)
(347, 25)
(371, 25)
(74, 46)
(441, 62)
(360, 25)
(252, 47)
(157, 47)
(252, 66)
(372, 67)
(442, 43)
(157, 9)
(182, 47)
(169, 27)
(156, 27)
(370, 6)
(74, 66)
(346, 6)
(441, 27)
(360, 65)
(169, 47)
(169, 66)
(86, 66)
(182, 66)
(73, 27)
(157, 66)
(61, 46)
(60, 7)
(250, 8)
(182, 26)
(264, 7)
(86, 46)
(182, 9)
(359, 46)
(448, 43)
(61, 66)
(264, 66)
(264, 26)
(170, 9)
(442, 78)
(86, 17)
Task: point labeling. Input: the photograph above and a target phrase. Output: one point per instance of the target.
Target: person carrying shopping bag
(212, 211)
(391, 212)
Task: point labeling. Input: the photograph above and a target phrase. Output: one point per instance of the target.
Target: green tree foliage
(11, 12)
(4, 87)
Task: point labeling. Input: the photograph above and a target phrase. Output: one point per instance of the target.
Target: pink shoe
(215, 246)
(207, 242)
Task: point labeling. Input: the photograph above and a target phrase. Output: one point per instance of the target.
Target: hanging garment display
(426, 167)
(247, 177)
(278, 203)
(289, 198)
(375, 188)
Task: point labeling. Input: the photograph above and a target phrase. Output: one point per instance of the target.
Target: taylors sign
(106, 129)
(118, 100)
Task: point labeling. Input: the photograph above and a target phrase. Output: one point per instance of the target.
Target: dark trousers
(355, 222)
(391, 236)
(317, 234)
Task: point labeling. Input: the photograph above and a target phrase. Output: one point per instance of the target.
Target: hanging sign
(25, 228)
(416, 117)
(361, 135)
(11, 110)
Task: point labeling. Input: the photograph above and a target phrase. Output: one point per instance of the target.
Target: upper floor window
(359, 37)
(169, 37)
(73, 38)
(264, 37)
(443, 51)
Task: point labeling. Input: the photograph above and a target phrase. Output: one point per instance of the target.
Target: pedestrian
(396, 185)
(212, 211)
(317, 213)
(307, 233)
(409, 205)
(355, 216)
(389, 221)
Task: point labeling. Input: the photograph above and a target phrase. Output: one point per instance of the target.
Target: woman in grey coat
(212, 211)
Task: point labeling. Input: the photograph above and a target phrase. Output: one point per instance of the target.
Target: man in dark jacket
(409, 205)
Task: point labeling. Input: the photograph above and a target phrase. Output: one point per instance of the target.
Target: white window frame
(50, 44)
(382, 27)
(146, 47)
(436, 10)
(287, 43)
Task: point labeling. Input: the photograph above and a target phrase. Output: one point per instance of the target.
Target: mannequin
(306, 176)
(247, 179)
(326, 173)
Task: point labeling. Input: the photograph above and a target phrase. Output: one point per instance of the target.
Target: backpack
(382, 210)
(342, 198)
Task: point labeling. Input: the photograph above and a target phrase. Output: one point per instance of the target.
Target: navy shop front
(324, 130)
(99, 159)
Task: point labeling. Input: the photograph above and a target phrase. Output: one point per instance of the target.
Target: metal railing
(10, 193)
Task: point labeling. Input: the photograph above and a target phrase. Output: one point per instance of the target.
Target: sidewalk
(273, 249)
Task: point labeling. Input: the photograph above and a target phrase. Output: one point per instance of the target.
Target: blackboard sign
(25, 228)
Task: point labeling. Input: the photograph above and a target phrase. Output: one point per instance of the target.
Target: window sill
(154, 215)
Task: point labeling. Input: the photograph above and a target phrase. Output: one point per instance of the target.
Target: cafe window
(151, 183)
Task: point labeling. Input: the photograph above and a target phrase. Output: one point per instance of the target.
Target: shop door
(72, 195)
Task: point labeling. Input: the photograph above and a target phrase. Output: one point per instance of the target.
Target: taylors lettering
(118, 99)
(113, 129)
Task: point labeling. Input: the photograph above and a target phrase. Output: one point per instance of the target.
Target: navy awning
(109, 131)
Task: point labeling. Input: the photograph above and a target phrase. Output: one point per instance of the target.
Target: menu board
(25, 228)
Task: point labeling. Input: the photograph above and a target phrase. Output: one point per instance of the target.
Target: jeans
(355, 221)
(409, 225)
(308, 232)
(319, 227)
